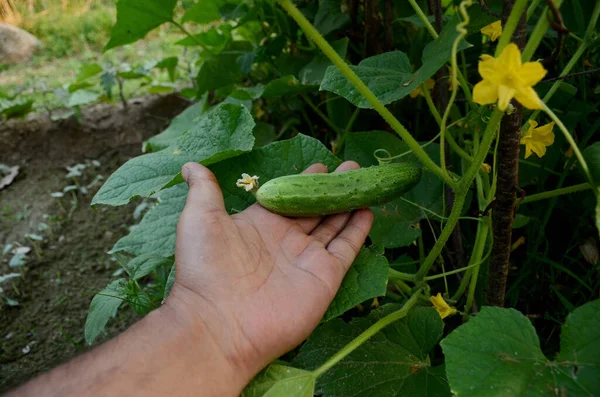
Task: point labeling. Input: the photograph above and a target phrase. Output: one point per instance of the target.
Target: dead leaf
(589, 250)
(11, 174)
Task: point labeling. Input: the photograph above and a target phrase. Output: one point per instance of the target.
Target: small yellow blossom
(441, 306)
(537, 138)
(429, 83)
(493, 30)
(506, 77)
(520, 241)
(248, 182)
(486, 168)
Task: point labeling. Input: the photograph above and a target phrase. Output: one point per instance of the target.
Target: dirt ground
(56, 287)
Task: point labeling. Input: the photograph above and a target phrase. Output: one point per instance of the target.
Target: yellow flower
(536, 139)
(429, 83)
(486, 168)
(248, 182)
(441, 306)
(506, 77)
(493, 30)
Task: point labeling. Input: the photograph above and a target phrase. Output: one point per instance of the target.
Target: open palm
(260, 282)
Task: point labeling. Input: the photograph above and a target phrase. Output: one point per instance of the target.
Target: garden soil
(56, 287)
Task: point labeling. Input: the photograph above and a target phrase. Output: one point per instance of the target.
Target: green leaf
(389, 76)
(16, 107)
(314, 72)
(392, 363)
(264, 134)
(205, 11)
(366, 279)
(499, 348)
(591, 154)
(82, 97)
(180, 124)
(218, 71)
(169, 283)
(287, 85)
(330, 17)
(88, 70)
(104, 306)
(161, 88)
(135, 18)
(107, 82)
(223, 132)
(215, 39)
(394, 224)
(155, 234)
(145, 264)
(79, 86)
(281, 381)
(580, 346)
(170, 64)
(277, 159)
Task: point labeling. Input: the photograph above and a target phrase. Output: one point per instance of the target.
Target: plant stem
(557, 192)
(532, 7)
(319, 113)
(571, 141)
(433, 33)
(192, 37)
(482, 232)
(511, 24)
(368, 333)
(461, 193)
(538, 33)
(352, 120)
(333, 56)
(507, 171)
(396, 275)
(587, 40)
(449, 273)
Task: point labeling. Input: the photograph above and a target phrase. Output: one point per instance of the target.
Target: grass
(74, 33)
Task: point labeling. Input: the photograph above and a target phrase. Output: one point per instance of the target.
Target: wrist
(205, 333)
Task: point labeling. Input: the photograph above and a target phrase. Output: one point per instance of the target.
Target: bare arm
(249, 288)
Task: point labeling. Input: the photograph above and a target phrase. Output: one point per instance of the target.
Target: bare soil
(56, 288)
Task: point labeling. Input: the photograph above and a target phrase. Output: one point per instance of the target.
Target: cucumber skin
(324, 194)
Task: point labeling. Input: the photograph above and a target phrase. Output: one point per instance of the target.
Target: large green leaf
(88, 70)
(592, 158)
(277, 159)
(135, 18)
(389, 76)
(145, 264)
(104, 306)
(314, 72)
(223, 132)
(215, 39)
(392, 363)
(330, 17)
(221, 70)
(500, 350)
(281, 381)
(180, 124)
(367, 278)
(205, 11)
(156, 232)
(394, 224)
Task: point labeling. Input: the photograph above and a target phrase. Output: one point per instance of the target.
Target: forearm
(160, 355)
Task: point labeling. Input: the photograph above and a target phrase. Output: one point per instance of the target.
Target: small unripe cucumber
(324, 194)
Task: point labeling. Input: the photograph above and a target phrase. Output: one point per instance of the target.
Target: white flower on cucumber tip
(247, 182)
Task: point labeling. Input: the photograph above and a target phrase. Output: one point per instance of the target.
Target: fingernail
(185, 172)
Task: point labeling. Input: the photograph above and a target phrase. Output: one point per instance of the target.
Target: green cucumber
(324, 194)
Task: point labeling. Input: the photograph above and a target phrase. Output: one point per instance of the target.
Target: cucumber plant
(281, 85)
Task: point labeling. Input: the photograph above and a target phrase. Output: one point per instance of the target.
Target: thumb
(205, 195)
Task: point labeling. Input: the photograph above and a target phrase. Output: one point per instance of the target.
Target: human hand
(258, 282)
